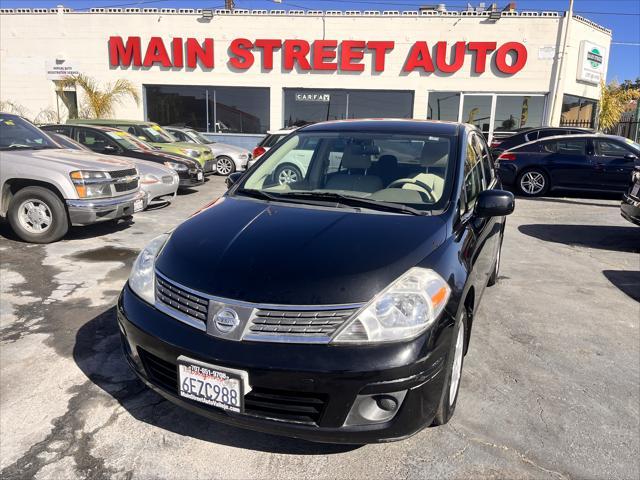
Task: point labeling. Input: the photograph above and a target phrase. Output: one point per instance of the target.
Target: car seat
(434, 158)
(386, 168)
(356, 162)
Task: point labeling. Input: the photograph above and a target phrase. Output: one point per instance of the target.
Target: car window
(472, 176)
(17, 133)
(550, 133)
(531, 136)
(271, 140)
(179, 136)
(610, 149)
(156, 134)
(95, 140)
(565, 147)
(485, 157)
(61, 129)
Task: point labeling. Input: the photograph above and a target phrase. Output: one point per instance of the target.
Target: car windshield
(380, 171)
(633, 145)
(18, 134)
(199, 137)
(66, 142)
(128, 141)
(156, 134)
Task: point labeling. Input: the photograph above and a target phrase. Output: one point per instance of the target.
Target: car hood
(145, 167)
(250, 250)
(73, 159)
(189, 145)
(226, 149)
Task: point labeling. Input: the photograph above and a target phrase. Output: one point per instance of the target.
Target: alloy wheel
(287, 175)
(532, 183)
(35, 216)
(456, 369)
(224, 166)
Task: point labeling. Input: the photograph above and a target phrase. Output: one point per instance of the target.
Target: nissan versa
(336, 308)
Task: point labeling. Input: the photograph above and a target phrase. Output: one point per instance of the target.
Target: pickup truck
(45, 189)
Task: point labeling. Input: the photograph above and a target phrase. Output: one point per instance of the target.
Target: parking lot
(550, 387)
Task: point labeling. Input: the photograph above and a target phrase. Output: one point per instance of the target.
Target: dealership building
(245, 72)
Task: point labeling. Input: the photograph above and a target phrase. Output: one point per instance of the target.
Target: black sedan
(630, 207)
(525, 135)
(588, 162)
(111, 141)
(336, 308)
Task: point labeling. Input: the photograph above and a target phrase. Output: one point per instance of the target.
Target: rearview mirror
(233, 178)
(494, 203)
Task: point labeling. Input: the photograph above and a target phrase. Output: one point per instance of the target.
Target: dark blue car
(591, 162)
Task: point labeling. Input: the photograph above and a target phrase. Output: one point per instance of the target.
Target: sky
(621, 16)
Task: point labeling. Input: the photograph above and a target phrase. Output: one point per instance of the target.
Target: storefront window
(518, 111)
(443, 106)
(219, 109)
(578, 112)
(303, 106)
(476, 110)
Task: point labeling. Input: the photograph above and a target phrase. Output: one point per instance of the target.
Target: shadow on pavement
(98, 354)
(627, 281)
(604, 237)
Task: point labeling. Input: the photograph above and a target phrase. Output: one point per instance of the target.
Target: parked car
(154, 134)
(271, 138)
(228, 158)
(630, 207)
(525, 135)
(45, 189)
(159, 183)
(353, 323)
(111, 141)
(571, 162)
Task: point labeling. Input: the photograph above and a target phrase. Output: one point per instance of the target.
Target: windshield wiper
(357, 202)
(256, 194)
(19, 146)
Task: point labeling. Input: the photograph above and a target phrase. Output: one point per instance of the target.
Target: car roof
(399, 125)
(102, 128)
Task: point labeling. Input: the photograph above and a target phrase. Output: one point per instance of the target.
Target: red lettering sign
(241, 48)
(520, 59)
(119, 54)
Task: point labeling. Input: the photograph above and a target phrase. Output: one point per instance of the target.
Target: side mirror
(494, 203)
(631, 157)
(109, 149)
(233, 178)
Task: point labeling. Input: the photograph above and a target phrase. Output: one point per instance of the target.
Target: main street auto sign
(591, 62)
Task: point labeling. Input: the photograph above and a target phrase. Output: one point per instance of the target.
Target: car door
(613, 163)
(568, 163)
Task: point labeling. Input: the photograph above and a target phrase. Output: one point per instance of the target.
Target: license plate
(635, 190)
(213, 385)
(200, 177)
(138, 205)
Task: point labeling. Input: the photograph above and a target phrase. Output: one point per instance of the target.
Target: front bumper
(333, 376)
(87, 211)
(190, 178)
(630, 209)
(159, 193)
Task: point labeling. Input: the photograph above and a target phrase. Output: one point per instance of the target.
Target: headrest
(434, 153)
(354, 156)
(388, 161)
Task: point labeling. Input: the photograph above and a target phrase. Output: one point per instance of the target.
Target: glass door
(477, 110)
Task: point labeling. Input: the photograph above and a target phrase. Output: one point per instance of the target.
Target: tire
(533, 182)
(225, 165)
(37, 215)
(455, 360)
(287, 173)
(493, 279)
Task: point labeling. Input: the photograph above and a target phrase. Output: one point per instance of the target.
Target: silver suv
(44, 188)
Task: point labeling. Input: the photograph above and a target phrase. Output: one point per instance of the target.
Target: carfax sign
(591, 63)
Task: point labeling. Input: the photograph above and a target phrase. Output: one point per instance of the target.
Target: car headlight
(149, 179)
(190, 152)
(91, 184)
(142, 277)
(179, 167)
(403, 310)
(243, 156)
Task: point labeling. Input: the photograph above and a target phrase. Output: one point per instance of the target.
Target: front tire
(455, 360)
(37, 215)
(225, 165)
(533, 183)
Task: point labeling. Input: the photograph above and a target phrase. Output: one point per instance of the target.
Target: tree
(614, 100)
(100, 102)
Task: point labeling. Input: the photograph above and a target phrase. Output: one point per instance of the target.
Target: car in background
(361, 335)
(525, 135)
(228, 158)
(591, 162)
(159, 183)
(270, 140)
(630, 206)
(111, 141)
(44, 189)
(153, 133)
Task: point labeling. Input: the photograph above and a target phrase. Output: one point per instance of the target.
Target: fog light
(375, 408)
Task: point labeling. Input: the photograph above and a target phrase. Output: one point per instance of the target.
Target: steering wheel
(412, 181)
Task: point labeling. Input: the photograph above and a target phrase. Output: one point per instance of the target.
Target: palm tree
(98, 102)
(613, 102)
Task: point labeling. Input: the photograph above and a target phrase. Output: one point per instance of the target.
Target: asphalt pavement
(550, 386)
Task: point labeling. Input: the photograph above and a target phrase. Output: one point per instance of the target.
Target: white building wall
(28, 41)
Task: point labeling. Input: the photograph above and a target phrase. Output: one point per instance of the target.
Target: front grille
(168, 179)
(123, 187)
(123, 173)
(299, 323)
(298, 407)
(181, 300)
